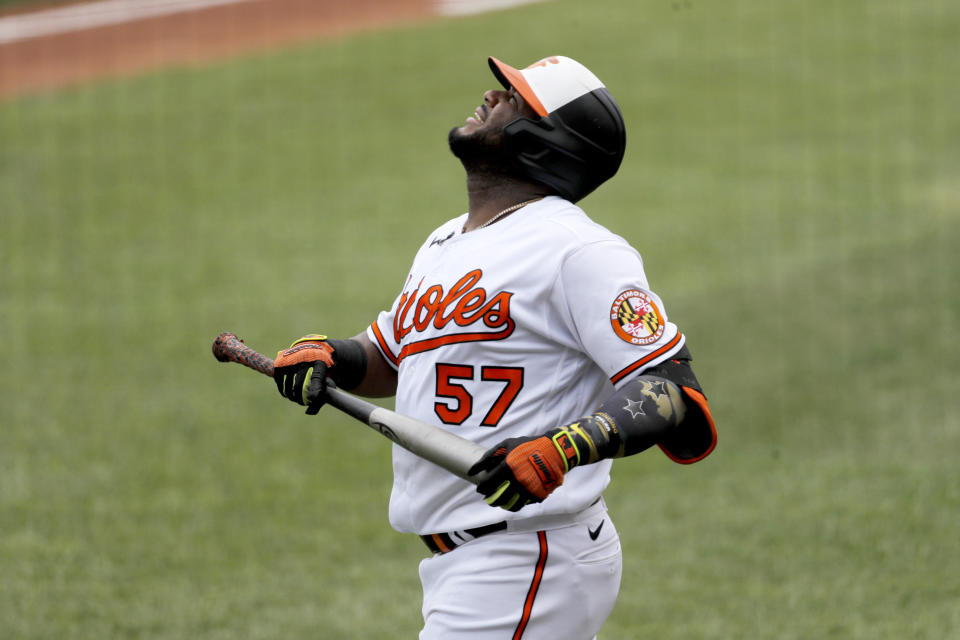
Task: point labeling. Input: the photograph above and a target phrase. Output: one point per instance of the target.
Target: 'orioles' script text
(465, 304)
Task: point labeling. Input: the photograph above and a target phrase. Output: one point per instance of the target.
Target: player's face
(499, 109)
(483, 131)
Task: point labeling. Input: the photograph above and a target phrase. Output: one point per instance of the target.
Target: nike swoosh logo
(440, 241)
(594, 534)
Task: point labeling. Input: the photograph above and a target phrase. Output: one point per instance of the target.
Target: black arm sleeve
(664, 405)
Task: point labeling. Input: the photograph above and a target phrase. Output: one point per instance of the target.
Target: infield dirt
(188, 38)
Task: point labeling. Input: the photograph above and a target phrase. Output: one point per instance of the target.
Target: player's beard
(481, 153)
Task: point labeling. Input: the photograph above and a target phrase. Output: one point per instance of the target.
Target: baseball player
(530, 329)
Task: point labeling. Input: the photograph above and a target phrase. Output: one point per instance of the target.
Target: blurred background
(792, 180)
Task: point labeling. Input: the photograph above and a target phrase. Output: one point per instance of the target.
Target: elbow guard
(696, 435)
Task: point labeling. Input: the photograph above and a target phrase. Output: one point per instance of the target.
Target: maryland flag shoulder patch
(635, 318)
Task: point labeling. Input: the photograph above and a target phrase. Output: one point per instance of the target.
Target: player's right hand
(301, 371)
(522, 471)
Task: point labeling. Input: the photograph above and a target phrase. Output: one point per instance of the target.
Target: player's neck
(487, 198)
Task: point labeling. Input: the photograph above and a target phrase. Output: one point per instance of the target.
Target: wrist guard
(350, 363)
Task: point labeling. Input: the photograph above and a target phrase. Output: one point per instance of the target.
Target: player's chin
(461, 140)
(472, 142)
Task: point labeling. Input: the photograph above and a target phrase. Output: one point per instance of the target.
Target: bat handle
(229, 348)
(443, 448)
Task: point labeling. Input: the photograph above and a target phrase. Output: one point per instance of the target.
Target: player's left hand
(301, 371)
(523, 470)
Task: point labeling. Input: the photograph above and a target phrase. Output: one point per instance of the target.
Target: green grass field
(792, 180)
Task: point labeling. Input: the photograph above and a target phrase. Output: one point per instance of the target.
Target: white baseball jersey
(511, 330)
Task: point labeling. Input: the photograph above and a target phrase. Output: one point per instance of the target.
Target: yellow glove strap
(310, 337)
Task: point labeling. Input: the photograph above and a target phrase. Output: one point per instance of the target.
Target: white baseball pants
(557, 583)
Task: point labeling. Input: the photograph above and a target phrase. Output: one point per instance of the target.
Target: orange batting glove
(525, 470)
(301, 371)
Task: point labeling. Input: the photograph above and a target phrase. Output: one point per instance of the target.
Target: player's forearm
(633, 419)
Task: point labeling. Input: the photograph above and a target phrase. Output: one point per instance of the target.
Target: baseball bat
(444, 449)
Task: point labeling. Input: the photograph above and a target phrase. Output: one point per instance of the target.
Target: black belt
(447, 542)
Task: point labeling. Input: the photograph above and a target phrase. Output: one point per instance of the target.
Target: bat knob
(221, 344)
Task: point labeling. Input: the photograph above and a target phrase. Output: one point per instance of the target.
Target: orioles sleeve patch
(636, 319)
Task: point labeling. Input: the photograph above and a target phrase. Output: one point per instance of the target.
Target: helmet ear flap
(525, 140)
(573, 150)
(533, 147)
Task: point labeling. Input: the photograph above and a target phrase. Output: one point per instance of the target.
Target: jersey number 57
(455, 403)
